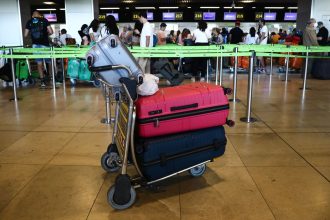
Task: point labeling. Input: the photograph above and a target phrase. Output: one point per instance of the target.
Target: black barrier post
(234, 99)
(248, 117)
(305, 74)
(13, 78)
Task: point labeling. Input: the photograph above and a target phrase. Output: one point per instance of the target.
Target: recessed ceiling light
(114, 8)
(209, 7)
(145, 8)
(233, 7)
(292, 7)
(62, 9)
(168, 7)
(49, 3)
(274, 7)
(46, 9)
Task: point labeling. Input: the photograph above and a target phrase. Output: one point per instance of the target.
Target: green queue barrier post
(15, 98)
(304, 88)
(234, 99)
(248, 118)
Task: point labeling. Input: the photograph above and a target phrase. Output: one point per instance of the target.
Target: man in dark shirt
(39, 29)
(322, 35)
(236, 34)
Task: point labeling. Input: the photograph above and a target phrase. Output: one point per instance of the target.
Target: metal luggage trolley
(121, 152)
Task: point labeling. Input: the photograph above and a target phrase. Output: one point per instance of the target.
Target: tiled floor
(275, 168)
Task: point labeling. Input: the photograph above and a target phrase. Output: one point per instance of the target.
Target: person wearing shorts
(39, 30)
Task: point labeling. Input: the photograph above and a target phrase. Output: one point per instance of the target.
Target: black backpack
(37, 28)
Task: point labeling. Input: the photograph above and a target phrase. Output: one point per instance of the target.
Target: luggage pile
(177, 129)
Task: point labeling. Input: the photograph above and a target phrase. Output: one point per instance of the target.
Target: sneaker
(202, 79)
(42, 85)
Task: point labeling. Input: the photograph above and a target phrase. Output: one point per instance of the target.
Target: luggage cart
(121, 152)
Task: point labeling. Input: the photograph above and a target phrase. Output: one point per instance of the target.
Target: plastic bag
(149, 85)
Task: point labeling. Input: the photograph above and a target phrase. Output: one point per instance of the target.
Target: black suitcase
(162, 156)
(320, 69)
(166, 69)
(5, 73)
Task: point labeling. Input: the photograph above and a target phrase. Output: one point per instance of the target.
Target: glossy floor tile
(51, 143)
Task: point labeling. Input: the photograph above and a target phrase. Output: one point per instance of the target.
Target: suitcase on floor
(182, 108)
(162, 156)
(73, 68)
(22, 70)
(166, 69)
(320, 69)
(111, 51)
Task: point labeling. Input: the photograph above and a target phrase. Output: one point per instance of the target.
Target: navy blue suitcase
(162, 156)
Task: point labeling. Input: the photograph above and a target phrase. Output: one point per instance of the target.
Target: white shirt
(200, 36)
(63, 38)
(264, 29)
(147, 30)
(96, 34)
(251, 40)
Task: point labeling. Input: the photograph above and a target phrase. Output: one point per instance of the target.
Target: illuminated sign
(198, 16)
(259, 15)
(178, 15)
(240, 16)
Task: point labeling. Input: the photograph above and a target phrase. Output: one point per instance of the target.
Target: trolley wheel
(109, 162)
(122, 195)
(73, 82)
(197, 170)
(31, 80)
(96, 83)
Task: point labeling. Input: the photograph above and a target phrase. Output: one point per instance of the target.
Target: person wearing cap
(161, 34)
(322, 35)
(236, 34)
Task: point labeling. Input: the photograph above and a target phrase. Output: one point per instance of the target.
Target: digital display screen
(198, 16)
(270, 16)
(209, 16)
(229, 16)
(51, 17)
(150, 16)
(290, 16)
(101, 17)
(116, 15)
(178, 16)
(259, 15)
(168, 16)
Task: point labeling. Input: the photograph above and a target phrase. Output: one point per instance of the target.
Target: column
(10, 23)
(79, 12)
(303, 13)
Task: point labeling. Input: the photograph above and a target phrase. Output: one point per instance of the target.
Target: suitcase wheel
(197, 170)
(109, 162)
(117, 197)
(73, 82)
(96, 83)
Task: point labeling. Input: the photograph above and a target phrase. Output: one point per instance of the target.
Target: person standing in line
(309, 39)
(263, 38)
(39, 30)
(161, 34)
(137, 33)
(94, 31)
(236, 34)
(252, 37)
(122, 35)
(146, 40)
(201, 38)
(322, 35)
(109, 28)
(64, 36)
(83, 33)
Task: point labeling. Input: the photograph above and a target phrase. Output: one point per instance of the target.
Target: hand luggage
(73, 68)
(5, 72)
(320, 69)
(159, 157)
(239, 61)
(245, 62)
(111, 51)
(166, 69)
(22, 70)
(296, 63)
(182, 108)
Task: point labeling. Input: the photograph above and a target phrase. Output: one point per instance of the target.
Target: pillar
(303, 13)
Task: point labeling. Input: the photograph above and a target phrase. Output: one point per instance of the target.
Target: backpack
(37, 29)
(155, 40)
(70, 41)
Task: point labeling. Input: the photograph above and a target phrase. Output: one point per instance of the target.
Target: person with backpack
(39, 30)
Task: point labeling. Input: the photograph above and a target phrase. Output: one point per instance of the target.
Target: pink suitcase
(182, 108)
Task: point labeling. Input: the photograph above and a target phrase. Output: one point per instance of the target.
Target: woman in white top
(201, 39)
(94, 30)
(252, 37)
(109, 28)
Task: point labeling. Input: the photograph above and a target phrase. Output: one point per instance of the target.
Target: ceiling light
(253, 7)
(62, 9)
(209, 7)
(145, 8)
(49, 3)
(168, 7)
(274, 7)
(46, 9)
(188, 7)
(128, 1)
(233, 7)
(115, 8)
(292, 7)
(247, 1)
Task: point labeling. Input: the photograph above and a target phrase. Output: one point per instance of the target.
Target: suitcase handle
(182, 107)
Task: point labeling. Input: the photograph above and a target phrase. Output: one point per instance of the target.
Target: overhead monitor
(51, 17)
(290, 16)
(270, 16)
(150, 16)
(116, 15)
(168, 16)
(229, 16)
(209, 16)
